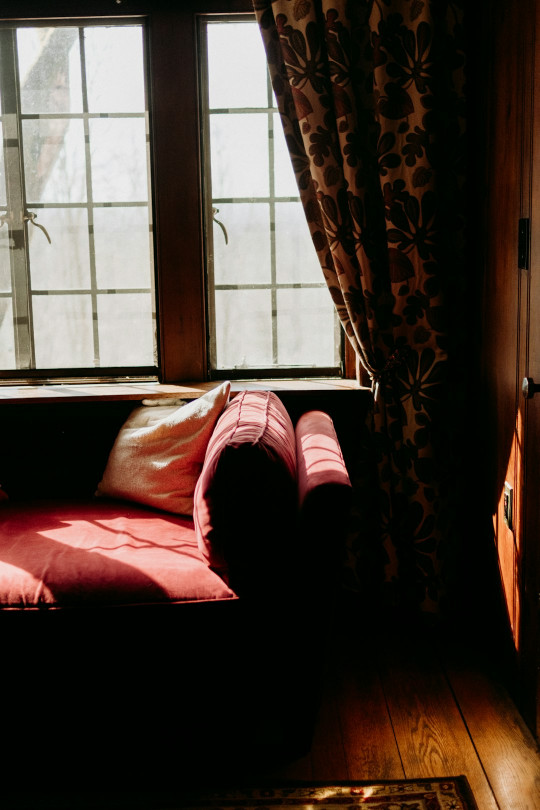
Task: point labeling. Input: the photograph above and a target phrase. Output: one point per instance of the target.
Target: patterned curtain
(371, 97)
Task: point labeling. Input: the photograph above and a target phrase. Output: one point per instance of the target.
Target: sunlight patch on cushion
(158, 454)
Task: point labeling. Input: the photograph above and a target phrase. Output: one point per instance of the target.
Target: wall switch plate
(508, 505)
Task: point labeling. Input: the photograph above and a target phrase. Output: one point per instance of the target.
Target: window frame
(42, 373)
(175, 127)
(269, 201)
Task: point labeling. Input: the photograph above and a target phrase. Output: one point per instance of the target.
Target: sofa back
(266, 491)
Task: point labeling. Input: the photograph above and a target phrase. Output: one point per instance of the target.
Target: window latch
(221, 225)
(30, 216)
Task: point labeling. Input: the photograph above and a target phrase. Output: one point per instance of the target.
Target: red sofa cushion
(245, 500)
(67, 553)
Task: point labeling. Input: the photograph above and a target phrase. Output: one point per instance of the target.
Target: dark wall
(61, 449)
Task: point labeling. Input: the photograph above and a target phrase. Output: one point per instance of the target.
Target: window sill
(19, 394)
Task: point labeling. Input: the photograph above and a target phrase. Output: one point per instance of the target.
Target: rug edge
(461, 781)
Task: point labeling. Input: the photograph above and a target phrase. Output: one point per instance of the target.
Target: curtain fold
(371, 97)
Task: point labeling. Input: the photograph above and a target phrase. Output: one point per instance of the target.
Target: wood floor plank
(327, 751)
(431, 735)
(507, 749)
(298, 770)
(368, 738)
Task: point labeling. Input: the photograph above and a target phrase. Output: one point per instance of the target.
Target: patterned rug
(451, 793)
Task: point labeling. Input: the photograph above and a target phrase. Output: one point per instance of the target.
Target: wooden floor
(396, 703)
(418, 705)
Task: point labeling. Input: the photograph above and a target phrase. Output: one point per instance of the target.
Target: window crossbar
(265, 200)
(92, 291)
(314, 285)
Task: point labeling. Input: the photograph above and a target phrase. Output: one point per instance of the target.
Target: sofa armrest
(324, 492)
(321, 469)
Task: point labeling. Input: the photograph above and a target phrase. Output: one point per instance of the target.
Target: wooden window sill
(73, 392)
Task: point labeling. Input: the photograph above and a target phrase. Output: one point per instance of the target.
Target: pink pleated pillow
(246, 499)
(159, 451)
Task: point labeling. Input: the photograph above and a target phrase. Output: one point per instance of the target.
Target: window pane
(50, 70)
(81, 106)
(126, 330)
(231, 48)
(254, 190)
(122, 248)
(63, 331)
(7, 337)
(248, 231)
(65, 263)
(114, 69)
(54, 160)
(296, 259)
(285, 180)
(5, 270)
(119, 165)
(2, 169)
(243, 328)
(237, 142)
(306, 328)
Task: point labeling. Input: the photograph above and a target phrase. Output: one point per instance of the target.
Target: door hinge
(524, 232)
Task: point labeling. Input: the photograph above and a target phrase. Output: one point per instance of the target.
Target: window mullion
(208, 202)
(272, 213)
(90, 201)
(16, 202)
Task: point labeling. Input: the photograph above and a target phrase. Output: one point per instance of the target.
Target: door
(509, 144)
(529, 582)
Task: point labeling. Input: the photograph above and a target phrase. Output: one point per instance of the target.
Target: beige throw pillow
(158, 454)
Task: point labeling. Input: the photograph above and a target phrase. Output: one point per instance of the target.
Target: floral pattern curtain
(371, 96)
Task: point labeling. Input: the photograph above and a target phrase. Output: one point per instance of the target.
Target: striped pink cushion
(246, 499)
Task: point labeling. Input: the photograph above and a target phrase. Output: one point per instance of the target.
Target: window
(131, 246)
(269, 304)
(76, 256)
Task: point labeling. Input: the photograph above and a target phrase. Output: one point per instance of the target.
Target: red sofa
(137, 638)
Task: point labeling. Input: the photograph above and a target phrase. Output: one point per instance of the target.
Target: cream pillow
(158, 454)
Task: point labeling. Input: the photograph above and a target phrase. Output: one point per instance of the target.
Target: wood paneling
(500, 71)
(175, 136)
(530, 548)
(507, 144)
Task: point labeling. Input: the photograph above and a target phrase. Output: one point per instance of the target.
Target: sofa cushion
(100, 552)
(159, 452)
(245, 500)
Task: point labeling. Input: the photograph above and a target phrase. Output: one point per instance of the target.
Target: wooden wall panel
(504, 78)
(502, 130)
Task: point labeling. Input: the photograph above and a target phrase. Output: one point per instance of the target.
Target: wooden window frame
(177, 182)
